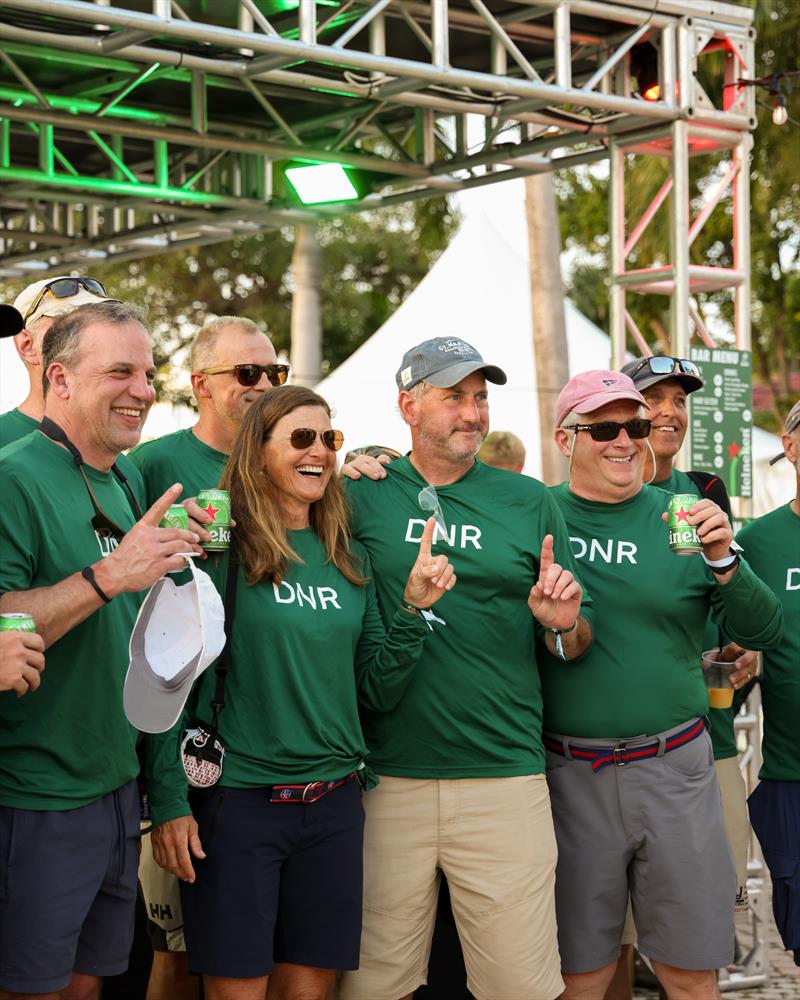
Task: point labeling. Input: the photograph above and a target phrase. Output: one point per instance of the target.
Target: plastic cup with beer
(717, 674)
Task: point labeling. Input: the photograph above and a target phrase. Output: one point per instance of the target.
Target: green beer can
(176, 517)
(218, 504)
(683, 539)
(17, 622)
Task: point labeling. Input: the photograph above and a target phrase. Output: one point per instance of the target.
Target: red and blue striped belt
(309, 792)
(621, 754)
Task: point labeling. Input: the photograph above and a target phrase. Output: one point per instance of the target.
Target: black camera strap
(223, 660)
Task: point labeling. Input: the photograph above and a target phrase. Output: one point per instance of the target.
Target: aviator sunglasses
(666, 366)
(250, 375)
(608, 430)
(303, 437)
(65, 288)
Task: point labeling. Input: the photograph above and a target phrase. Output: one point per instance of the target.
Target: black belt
(620, 754)
(307, 793)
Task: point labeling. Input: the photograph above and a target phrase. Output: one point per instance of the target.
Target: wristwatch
(719, 567)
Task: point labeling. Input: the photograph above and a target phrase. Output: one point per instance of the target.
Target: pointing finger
(546, 557)
(162, 505)
(427, 538)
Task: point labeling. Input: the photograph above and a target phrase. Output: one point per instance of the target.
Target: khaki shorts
(734, 807)
(493, 839)
(162, 901)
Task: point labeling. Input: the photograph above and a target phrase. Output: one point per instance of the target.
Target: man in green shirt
(40, 305)
(76, 553)
(459, 754)
(635, 798)
(772, 547)
(233, 362)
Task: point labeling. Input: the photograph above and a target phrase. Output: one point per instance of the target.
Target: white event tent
(480, 290)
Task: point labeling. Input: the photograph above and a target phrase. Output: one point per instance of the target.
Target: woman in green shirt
(270, 860)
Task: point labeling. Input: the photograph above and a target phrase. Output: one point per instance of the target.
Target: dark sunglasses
(608, 430)
(303, 437)
(250, 375)
(666, 366)
(65, 288)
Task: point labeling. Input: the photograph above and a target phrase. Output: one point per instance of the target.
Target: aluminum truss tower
(131, 126)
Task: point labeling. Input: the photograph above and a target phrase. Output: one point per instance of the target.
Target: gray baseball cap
(792, 422)
(443, 361)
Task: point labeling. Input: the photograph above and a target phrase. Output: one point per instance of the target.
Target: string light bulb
(779, 113)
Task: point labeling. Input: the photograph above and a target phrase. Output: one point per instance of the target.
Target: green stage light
(321, 182)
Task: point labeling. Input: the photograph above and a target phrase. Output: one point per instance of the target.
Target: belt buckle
(308, 791)
(618, 761)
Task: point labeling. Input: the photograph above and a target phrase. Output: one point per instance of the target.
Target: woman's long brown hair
(261, 539)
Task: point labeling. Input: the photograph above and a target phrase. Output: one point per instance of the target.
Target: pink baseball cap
(588, 391)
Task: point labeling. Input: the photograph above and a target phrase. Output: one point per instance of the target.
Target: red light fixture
(644, 66)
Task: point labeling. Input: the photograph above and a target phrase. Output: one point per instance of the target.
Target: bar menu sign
(722, 417)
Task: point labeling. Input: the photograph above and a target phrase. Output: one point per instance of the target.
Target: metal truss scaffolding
(130, 128)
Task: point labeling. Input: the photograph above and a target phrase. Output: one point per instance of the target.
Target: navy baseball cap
(444, 361)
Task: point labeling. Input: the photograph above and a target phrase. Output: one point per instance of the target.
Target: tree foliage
(371, 262)
(774, 218)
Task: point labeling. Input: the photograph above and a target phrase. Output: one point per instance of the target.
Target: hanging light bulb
(779, 113)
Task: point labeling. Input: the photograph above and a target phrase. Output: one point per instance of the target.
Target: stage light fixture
(317, 183)
(644, 66)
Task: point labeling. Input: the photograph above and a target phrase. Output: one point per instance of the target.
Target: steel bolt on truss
(173, 123)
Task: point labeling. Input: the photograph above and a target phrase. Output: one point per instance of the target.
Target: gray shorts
(67, 891)
(654, 828)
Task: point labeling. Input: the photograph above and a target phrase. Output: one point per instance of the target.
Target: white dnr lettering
(317, 598)
(612, 550)
(793, 578)
(107, 544)
(470, 535)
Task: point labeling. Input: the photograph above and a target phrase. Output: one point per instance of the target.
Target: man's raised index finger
(546, 557)
(162, 505)
(427, 538)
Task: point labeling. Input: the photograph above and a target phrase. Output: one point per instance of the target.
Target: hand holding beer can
(683, 537)
(16, 622)
(216, 503)
(175, 517)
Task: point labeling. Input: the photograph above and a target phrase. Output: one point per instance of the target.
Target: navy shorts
(281, 882)
(775, 817)
(67, 891)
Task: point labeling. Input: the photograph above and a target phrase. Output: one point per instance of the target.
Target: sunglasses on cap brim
(65, 288)
(666, 366)
(250, 374)
(609, 430)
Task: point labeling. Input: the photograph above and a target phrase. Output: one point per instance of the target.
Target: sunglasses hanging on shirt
(101, 522)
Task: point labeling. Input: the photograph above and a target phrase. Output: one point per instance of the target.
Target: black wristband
(88, 574)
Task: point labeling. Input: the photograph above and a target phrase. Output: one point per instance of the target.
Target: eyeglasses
(666, 366)
(608, 430)
(65, 288)
(303, 437)
(428, 500)
(250, 375)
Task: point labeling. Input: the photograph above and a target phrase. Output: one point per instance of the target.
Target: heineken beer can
(683, 539)
(17, 622)
(176, 517)
(218, 504)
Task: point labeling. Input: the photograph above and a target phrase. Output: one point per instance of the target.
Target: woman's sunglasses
(608, 430)
(65, 288)
(250, 375)
(303, 437)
